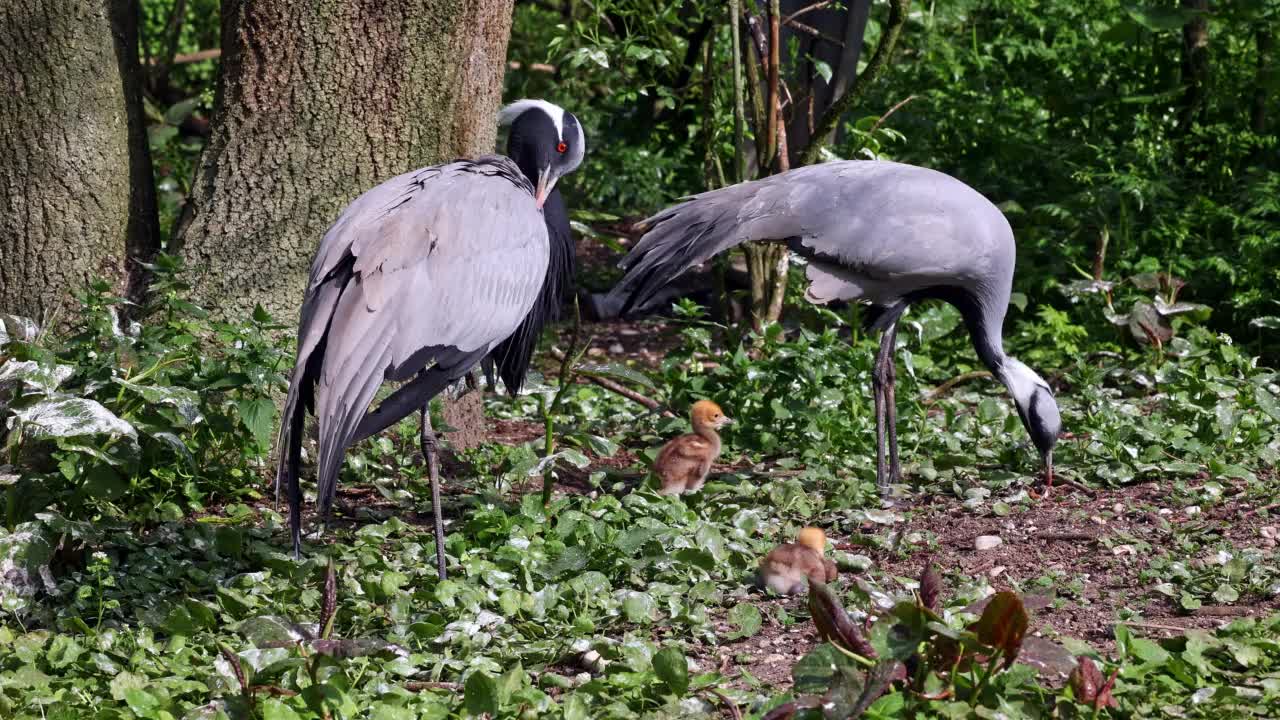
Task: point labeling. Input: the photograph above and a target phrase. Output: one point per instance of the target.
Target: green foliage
(145, 420)
(1071, 115)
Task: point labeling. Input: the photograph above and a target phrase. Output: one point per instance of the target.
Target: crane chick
(788, 567)
(683, 463)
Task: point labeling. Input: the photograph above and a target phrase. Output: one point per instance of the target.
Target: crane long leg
(429, 453)
(891, 402)
(879, 383)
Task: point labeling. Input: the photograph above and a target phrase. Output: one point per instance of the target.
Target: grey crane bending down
(421, 277)
(882, 232)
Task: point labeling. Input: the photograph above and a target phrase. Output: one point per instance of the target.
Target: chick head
(812, 537)
(708, 414)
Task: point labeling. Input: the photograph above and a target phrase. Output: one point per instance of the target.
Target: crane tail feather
(681, 237)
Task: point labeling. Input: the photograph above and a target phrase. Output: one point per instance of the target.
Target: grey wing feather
(883, 224)
(430, 265)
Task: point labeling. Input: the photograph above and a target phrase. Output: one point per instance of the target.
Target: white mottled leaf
(186, 401)
(34, 375)
(72, 417)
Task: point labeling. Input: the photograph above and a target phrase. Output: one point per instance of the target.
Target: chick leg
(429, 452)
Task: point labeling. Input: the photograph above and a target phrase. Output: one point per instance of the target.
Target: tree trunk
(1266, 40)
(316, 103)
(846, 25)
(78, 200)
(1195, 63)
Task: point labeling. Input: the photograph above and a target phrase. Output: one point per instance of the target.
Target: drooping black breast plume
(513, 355)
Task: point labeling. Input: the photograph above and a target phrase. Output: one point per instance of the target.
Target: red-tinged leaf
(1104, 698)
(930, 586)
(1030, 603)
(1047, 657)
(833, 622)
(1088, 687)
(1085, 681)
(786, 711)
(1003, 625)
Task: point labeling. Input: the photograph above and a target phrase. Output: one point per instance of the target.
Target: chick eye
(562, 147)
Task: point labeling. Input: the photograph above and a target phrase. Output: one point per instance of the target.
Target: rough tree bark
(1266, 40)
(1195, 64)
(76, 193)
(316, 103)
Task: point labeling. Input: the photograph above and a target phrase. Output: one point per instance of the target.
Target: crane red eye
(562, 147)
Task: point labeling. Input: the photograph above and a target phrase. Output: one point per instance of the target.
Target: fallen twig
(418, 686)
(1065, 537)
(733, 706)
(1154, 626)
(945, 387)
(1263, 509)
(618, 388)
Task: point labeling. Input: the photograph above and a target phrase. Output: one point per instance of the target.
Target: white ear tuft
(509, 113)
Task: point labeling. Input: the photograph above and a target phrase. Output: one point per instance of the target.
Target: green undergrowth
(166, 600)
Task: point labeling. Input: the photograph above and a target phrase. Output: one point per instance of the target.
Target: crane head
(545, 141)
(1036, 407)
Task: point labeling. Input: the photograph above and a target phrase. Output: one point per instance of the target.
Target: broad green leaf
(259, 417)
(480, 694)
(746, 619)
(672, 669)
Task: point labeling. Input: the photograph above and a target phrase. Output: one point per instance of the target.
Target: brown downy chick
(683, 463)
(788, 568)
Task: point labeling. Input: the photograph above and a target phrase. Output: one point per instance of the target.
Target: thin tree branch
(875, 67)
(809, 8)
(889, 112)
(815, 32)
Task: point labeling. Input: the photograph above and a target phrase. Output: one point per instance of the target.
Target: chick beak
(545, 183)
(725, 420)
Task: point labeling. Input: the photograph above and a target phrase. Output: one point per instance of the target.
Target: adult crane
(882, 232)
(418, 280)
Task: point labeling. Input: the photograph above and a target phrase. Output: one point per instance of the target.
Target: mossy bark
(78, 201)
(316, 103)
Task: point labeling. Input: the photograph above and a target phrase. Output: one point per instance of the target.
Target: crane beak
(545, 183)
(725, 420)
(1048, 470)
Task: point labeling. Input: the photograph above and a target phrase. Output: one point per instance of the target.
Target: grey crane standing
(881, 232)
(418, 280)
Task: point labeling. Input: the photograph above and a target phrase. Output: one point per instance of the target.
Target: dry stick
(1264, 508)
(1154, 626)
(1064, 536)
(945, 387)
(810, 30)
(612, 386)
(415, 686)
(831, 118)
